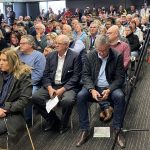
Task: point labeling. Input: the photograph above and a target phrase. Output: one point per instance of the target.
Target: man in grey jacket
(103, 77)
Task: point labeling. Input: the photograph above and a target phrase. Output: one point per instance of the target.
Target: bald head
(113, 33)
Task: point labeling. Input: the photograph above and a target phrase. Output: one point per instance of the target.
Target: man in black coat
(60, 78)
(103, 77)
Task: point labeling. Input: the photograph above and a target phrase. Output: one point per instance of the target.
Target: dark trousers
(117, 98)
(67, 101)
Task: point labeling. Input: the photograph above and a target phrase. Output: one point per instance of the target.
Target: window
(55, 5)
(1, 8)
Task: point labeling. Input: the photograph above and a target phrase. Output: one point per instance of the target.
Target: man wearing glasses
(60, 78)
(36, 60)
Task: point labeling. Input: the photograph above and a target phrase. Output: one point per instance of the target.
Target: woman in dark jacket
(133, 41)
(15, 92)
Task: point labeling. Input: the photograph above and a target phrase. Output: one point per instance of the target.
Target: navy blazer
(71, 70)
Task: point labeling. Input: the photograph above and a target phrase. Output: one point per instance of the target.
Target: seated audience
(36, 61)
(47, 50)
(137, 31)
(118, 45)
(15, 40)
(103, 77)
(61, 77)
(133, 41)
(16, 89)
(90, 39)
(40, 38)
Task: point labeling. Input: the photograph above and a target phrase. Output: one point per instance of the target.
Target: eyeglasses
(23, 43)
(60, 43)
(38, 28)
(109, 33)
(93, 27)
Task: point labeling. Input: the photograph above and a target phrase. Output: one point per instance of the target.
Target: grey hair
(30, 39)
(101, 40)
(66, 39)
(95, 24)
(40, 25)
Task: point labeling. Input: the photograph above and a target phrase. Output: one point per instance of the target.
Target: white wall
(1, 8)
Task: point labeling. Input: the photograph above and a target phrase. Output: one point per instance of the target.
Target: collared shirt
(60, 65)
(92, 41)
(102, 81)
(124, 49)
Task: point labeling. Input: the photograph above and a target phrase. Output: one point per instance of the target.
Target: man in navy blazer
(61, 77)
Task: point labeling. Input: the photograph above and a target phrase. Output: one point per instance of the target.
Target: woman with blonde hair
(15, 93)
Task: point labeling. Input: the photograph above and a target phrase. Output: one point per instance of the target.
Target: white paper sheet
(101, 132)
(51, 103)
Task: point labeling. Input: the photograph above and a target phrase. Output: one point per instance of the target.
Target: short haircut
(40, 25)
(102, 40)
(30, 39)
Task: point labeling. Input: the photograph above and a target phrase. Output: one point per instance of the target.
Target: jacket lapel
(66, 62)
(11, 87)
(1, 82)
(55, 61)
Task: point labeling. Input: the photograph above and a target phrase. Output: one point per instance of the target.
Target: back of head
(102, 40)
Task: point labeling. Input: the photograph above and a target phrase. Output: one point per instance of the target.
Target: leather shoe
(120, 139)
(108, 113)
(83, 137)
(52, 124)
(63, 130)
(102, 115)
(48, 125)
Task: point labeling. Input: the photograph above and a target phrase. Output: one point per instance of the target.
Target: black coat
(133, 42)
(17, 98)
(3, 44)
(115, 73)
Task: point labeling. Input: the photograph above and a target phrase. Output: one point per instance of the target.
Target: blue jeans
(117, 99)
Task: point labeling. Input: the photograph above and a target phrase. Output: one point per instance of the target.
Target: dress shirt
(102, 81)
(58, 74)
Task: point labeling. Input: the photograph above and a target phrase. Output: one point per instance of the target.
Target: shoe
(83, 137)
(48, 125)
(108, 113)
(63, 130)
(120, 139)
(102, 115)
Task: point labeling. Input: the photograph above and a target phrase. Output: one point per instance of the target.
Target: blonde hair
(1, 35)
(17, 68)
(52, 36)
